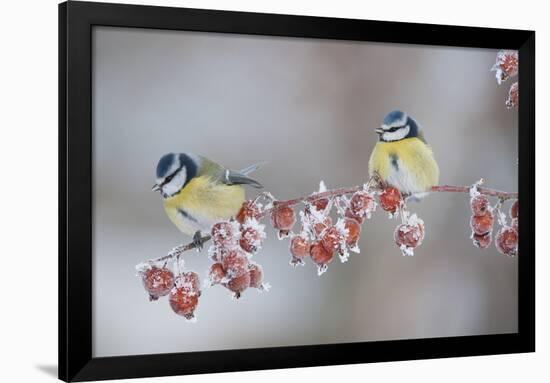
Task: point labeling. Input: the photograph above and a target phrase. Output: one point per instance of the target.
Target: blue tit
(198, 192)
(402, 158)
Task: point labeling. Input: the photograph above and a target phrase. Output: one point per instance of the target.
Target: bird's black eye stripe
(394, 129)
(169, 178)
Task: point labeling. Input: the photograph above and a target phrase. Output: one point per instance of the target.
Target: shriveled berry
(239, 284)
(514, 210)
(319, 227)
(482, 241)
(299, 247)
(479, 205)
(482, 224)
(320, 204)
(157, 281)
(349, 214)
(251, 240)
(183, 302)
(283, 218)
(362, 204)
(332, 239)
(354, 231)
(216, 273)
(320, 255)
(225, 234)
(256, 275)
(390, 199)
(248, 210)
(513, 96)
(409, 236)
(506, 241)
(235, 264)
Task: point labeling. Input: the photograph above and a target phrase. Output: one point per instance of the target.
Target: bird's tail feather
(252, 168)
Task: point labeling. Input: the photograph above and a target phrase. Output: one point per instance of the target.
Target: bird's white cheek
(175, 184)
(397, 135)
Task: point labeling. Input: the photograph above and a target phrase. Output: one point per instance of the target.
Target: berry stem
(178, 250)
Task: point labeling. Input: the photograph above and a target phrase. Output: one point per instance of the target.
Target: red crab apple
(482, 224)
(390, 199)
(183, 302)
(506, 241)
(157, 281)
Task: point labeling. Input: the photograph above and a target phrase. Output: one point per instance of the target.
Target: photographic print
(263, 191)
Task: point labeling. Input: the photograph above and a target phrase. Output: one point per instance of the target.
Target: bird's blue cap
(164, 165)
(395, 118)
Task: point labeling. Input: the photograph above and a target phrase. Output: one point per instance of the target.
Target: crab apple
(482, 224)
(157, 281)
(332, 239)
(506, 241)
(320, 255)
(479, 205)
(283, 218)
(225, 234)
(249, 209)
(183, 302)
(354, 230)
(514, 210)
(251, 240)
(319, 227)
(409, 235)
(216, 273)
(256, 275)
(349, 214)
(390, 199)
(238, 284)
(362, 204)
(190, 281)
(235, 264)
(320, 204)
(482, 241)
(299, 247)
(513, 96)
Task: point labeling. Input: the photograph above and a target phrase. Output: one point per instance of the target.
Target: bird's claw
(197, 240)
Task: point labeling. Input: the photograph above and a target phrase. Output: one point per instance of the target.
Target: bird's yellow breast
(203, 202)
(407, 164)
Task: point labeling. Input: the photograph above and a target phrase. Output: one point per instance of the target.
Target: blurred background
(307, 107)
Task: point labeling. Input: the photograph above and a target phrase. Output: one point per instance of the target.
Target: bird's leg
(197, 240)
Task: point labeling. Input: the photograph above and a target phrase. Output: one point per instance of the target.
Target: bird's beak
(379, 130)
(155, 187)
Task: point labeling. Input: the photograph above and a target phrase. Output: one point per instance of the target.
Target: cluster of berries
(234, 243)
(320, 238)
(183, 291)
(506, 66)
(482, 223)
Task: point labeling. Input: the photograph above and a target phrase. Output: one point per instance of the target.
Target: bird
(198, 192)
(402, 158)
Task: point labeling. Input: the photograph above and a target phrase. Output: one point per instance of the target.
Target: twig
(482, 190)
(178, 250)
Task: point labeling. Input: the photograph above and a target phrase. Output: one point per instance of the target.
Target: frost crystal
(321, 269)
(473, 189)
(407, 251)
(143, 267)
(265, 287)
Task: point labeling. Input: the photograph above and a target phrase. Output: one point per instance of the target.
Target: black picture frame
(76, 20)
